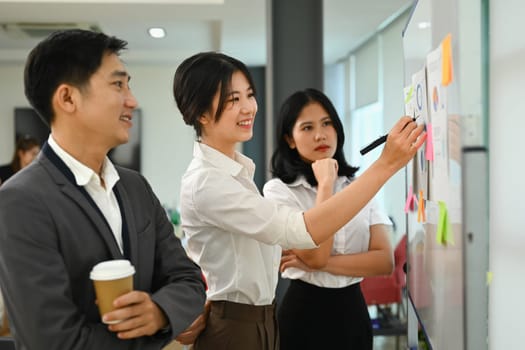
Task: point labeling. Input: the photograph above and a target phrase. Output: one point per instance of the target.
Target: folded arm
(378, 260)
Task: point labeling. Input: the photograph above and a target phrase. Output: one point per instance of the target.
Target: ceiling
(236, 27)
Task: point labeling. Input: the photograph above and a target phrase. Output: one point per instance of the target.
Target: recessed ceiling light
(423, 25)
(157, 32)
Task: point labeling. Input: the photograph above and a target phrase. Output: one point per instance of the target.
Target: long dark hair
(24, 144)
(287, 165)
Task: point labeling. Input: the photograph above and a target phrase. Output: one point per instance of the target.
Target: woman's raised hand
(402, 143)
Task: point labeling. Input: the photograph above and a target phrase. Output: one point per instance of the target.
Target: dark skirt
(312, 317)
(234, 326)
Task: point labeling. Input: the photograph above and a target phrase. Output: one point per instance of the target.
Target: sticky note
(444, 234)
(421, 217)
(408, 203)
(429, 151)
(409, 93)
(447, 73)
(489, 278)
(448, 235)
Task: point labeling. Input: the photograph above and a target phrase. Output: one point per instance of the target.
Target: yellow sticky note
(489, 278)
(447, 72)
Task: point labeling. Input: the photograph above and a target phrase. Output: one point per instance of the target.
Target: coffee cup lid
(112, 269)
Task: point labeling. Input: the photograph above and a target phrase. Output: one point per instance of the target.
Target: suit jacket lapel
(127, 221)
(66, 181)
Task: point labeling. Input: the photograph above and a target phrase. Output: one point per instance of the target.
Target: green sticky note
(410, 92)
(444, 234)
(449, 235)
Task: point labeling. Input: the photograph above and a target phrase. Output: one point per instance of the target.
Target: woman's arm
(325, 172)
(325, 219)
(378, 260)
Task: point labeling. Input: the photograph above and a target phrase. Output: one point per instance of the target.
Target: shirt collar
(221, 161)
(81, 172)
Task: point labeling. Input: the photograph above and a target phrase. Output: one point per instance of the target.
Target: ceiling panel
(237, 27)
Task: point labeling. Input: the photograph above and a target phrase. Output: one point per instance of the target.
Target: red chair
(387, 292)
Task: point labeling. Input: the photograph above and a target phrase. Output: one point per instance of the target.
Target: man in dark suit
(72, 208)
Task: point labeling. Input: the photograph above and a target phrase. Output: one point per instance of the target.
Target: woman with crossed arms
(323, 307)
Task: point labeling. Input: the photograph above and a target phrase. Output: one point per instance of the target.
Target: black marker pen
(377, 142)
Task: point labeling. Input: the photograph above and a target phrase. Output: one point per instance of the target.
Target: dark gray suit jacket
(50, 238)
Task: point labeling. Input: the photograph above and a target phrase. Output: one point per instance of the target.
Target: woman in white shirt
(323, 307)
(233, 232)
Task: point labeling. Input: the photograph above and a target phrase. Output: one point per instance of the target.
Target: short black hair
(286, 164)
(197, 80)
(68, 56)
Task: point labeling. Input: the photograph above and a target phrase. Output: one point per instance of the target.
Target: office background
(366, 81)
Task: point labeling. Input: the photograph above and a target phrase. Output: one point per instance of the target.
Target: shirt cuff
(298, 237)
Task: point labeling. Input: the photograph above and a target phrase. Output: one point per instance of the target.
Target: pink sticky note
(408, 203)
(429, 155)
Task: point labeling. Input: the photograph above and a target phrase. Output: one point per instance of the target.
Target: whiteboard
(446, 277)
(435, 269)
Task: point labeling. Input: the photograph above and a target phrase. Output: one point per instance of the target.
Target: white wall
(334, 87)
(167, 142)
(377, 81)
(391, 78)
(507, 190)
(11, 96)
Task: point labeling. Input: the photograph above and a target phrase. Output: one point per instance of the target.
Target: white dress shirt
(233, 232)
(104, 197)
(354, 237)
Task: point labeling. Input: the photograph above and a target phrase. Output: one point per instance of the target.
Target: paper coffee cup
(111, 279)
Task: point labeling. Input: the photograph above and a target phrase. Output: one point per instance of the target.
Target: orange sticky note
(421, 208)
(446, 57)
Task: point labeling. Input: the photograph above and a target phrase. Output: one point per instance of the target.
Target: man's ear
(65, 98)
(204, 119)
(289, 140)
